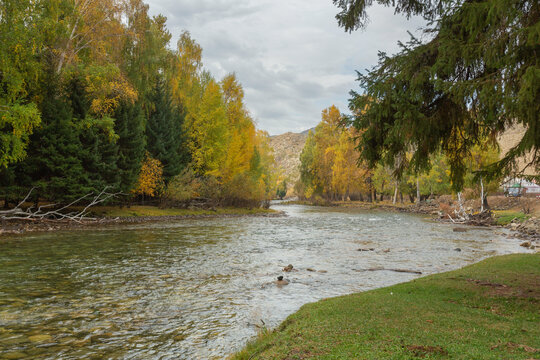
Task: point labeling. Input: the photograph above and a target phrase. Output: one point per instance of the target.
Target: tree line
(331, 169)
(92, 96)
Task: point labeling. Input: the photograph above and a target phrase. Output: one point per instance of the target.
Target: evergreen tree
(53, 165)
(166, 140)
(99, 153)
(478, 75)
(129, 126)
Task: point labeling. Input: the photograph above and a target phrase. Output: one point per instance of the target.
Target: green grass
(139, 211)
(504, 217)
(490, 310)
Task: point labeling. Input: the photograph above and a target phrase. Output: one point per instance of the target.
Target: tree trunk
(401, 196)
(481, 195)
(395, 195)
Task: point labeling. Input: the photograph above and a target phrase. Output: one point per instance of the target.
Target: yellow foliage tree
(150, 180)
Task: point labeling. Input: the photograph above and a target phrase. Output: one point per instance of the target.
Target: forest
(93, 96)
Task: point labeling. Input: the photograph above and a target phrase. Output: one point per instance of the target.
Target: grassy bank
(151, 211)
(505, 217)
(490, 310)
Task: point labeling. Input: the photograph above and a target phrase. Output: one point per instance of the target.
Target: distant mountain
(287, 149)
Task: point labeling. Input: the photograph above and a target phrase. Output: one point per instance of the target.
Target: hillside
(287, 148)
(511, 138)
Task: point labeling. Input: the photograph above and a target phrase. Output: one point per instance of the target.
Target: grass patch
(140, 211)
(490, 310)
(505, 217)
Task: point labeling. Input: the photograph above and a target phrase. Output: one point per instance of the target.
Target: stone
(13, 355)
(288, 268)
(281, 281)
(457, 249)
(322, 271)
(460, 229)
(40, 338)
(310, 269)
(526, 244)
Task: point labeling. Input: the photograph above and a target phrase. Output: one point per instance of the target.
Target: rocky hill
(511, 138)
(287, 149)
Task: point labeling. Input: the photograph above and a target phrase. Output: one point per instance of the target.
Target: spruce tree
(53, 165)
(129, 126)
(165, 136)
(476, 76)
(99, 153)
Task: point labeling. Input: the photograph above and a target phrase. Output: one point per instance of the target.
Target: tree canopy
(93, 97)
(477, 75)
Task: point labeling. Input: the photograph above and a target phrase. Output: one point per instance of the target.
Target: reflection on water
(198, 289)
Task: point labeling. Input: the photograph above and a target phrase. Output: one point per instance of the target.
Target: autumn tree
(329, 161)
(20, 41)
(150, 181)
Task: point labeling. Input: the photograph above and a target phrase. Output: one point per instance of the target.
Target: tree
(54, 165)
(164, 131)
(478, 75)
(19, 70)
(481, 155)
(281, 190)
(150, 180)
(129, 126)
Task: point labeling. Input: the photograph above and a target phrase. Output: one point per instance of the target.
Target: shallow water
(199, 289)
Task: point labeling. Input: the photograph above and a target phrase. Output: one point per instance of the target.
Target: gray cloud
(290, 56)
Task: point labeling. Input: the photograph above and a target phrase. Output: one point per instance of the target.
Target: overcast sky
(290, 55)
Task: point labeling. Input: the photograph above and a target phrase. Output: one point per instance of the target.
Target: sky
(291, 57)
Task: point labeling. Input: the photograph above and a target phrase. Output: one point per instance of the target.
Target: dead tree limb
(18, 213)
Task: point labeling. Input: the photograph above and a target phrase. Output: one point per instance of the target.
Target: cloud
(290, 56)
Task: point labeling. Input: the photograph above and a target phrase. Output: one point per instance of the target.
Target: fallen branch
(394, 270)
(18, 213)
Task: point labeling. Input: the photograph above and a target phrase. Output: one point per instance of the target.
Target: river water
(199, 289)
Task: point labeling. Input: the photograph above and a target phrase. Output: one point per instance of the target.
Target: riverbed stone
(526, 244)
(288, 268)
(13, 355)
(40, 338)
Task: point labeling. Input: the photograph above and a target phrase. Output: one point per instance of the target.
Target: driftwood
(394, 270)
(39, 214)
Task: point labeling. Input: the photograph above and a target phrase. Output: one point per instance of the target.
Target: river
(199, 289)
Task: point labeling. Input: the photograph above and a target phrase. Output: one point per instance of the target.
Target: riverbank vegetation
(484, 311)
(93, 97)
